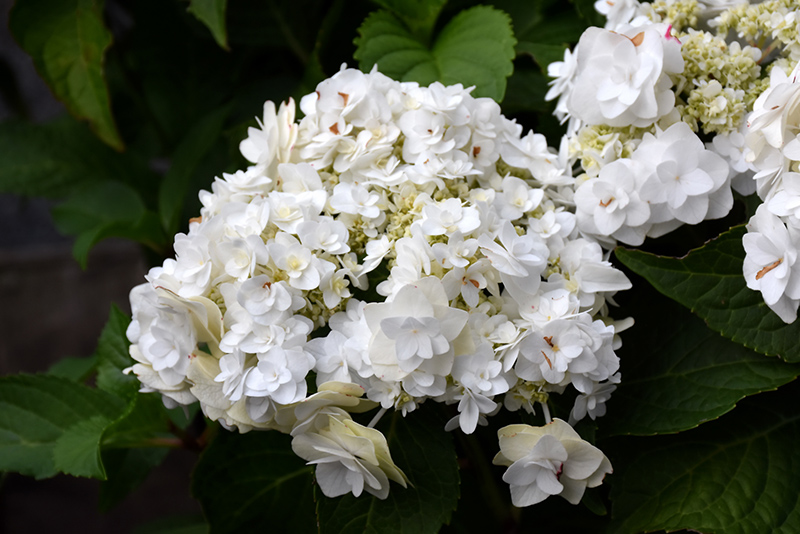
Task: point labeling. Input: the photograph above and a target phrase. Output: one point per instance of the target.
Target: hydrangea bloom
(489, 284)
(644, 93)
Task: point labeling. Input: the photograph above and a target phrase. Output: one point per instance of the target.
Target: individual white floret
(448, 217)
(548, 353)
(772, 128)
(417, 325)
(622, 77)
(686, 181)
(549, 460)
(355, 200)
(770, 263)
(611, 205)
(280, 375)
(593, 403)
(271, 143)
(350, 458)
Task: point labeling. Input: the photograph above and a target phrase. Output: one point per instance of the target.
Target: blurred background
(52, 308)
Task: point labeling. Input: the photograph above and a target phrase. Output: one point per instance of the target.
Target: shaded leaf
(77, 450)
(188, 156)
(543, 54)
(112, 356)
(104, 210)
(586, 11)
(75, 369)
(425, 452)
(67, 40)
(254, 482)
(709, 281)
(418, 15)
(144, 421)
(126, 470)
(687, 374)
(475, 48)
(35, 411)
(212, 14)
(737, 475)
(55, 158)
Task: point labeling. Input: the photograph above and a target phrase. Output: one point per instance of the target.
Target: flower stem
(376, 418)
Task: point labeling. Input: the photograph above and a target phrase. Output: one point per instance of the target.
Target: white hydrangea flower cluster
(644, 93)
(772, 241)
(427, 243)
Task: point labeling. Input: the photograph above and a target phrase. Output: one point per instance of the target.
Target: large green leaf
(67, 40)
(677, 373)
(475, 48)
(418, 15)
(77, 451)
(212, 14)
(737, 475)
(75, 369)
(55, 158)
(425, 452)
(709, 281)
(126, 470)
(107, 209)
(126, 458)
(37, 411)
(254, 483)
(112, 356)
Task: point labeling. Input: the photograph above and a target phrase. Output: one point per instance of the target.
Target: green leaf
(738, 475)
(126, 470)
(186, 162)
(112, 356)
(586, 11)
(35, 411)
(418, 15)
(104, 210)
(475, 48)
(74, 369)
(212, 14)
(254, 482)
(709, 281)
(425, 452)
(687, 375)
(543, 54)
(67, 41)
(77, 450)
(55, 158)
(144, 421)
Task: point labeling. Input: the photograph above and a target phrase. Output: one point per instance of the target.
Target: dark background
(51, 309)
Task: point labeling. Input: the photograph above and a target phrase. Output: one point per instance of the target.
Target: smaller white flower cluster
(636, 93)
(772, 241)
(646, 172)
(427, 244)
